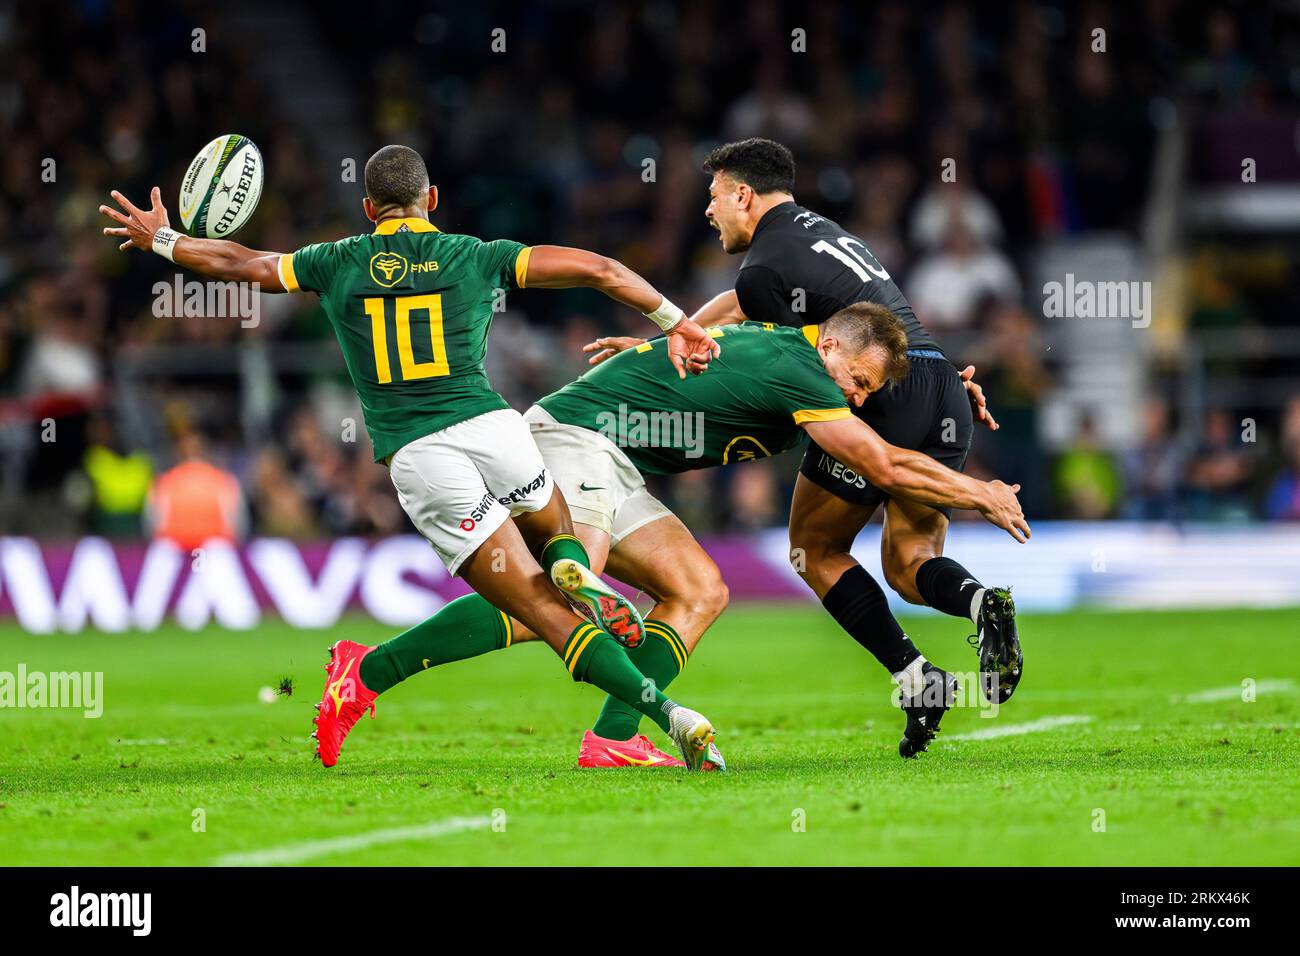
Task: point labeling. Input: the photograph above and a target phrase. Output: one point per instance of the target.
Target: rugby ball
(221, 188)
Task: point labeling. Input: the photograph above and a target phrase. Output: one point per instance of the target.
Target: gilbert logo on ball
(221, 188)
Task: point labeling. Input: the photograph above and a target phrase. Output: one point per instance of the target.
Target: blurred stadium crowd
(547, 141)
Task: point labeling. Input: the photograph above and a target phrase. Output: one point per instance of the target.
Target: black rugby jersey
(800, 260)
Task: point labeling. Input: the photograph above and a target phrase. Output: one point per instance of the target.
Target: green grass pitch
(1137, 716)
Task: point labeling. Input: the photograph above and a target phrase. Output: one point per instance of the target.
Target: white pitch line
(297, 852)
(1015, 730)
(1216, 694)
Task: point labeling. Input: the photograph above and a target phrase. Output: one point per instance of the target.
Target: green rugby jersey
(750, 404)
(411, 307)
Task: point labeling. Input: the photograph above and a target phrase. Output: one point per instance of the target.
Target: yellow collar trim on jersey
(413, 223)
(812, 334)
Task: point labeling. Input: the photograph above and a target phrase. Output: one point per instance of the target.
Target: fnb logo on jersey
(519, 494)
(388, 268)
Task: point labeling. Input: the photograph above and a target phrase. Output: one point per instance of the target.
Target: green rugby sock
(563, 546)
(593, 656)
(660, 657)
(466, 627)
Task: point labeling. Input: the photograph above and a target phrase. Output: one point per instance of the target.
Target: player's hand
(609, 346)
(1003, 509)
(976, 395)
(691, 347)
(138, 225)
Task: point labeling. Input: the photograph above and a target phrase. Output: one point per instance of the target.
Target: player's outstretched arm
(216, 258)
(607, 346)
(561, 267)
(722, 309)
(910, 474)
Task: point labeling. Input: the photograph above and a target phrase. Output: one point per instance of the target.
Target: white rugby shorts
(600, 484)
(460, 484)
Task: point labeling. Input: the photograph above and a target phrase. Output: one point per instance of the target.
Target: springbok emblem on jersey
(388, 268)
(744, 448)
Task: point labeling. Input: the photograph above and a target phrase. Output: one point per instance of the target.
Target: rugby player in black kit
(799, 269)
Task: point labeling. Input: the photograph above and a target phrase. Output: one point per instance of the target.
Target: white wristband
(164, 243)
(667, 316)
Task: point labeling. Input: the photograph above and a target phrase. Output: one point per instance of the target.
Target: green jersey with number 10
(411, 307)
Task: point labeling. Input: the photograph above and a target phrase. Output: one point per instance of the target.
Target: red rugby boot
(637, 752)
(344, 701)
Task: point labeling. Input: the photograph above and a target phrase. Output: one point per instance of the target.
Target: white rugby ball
(221, 188)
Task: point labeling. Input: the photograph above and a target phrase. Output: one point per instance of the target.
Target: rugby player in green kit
(411, 308)
(631, 416)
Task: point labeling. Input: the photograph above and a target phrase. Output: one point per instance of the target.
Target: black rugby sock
(947, 586)
(858, 603)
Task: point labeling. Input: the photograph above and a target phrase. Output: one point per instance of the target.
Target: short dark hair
(762, 164)
(396, 176)
(864, 325)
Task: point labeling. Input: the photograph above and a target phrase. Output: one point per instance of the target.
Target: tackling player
(800, 267)
(631, 416)
(411, 307)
